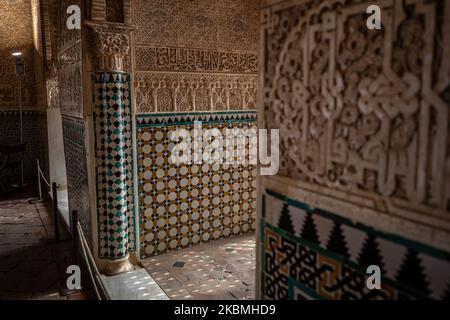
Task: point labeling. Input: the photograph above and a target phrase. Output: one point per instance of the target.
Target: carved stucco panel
(16, 34)
(194, 91)
(208, 24)
(69, 65)
(362, 112)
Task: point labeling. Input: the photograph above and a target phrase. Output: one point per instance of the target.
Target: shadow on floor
(216, 270)
(32, 265)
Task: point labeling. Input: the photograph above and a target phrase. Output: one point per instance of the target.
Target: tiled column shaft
(113, 150)
(113, 146)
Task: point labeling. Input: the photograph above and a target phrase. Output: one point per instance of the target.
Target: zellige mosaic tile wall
(182, 205)
(310, 253)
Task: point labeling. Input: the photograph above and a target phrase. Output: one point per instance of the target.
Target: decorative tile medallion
(185, 204)
(114, 165)
(309, 253)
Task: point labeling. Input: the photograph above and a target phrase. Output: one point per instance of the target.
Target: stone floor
(220, 270)
(31, 266)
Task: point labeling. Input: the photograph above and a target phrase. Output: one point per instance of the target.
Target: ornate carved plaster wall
(227, 24)
(363, 115)
(20, 31)
(197, 42)
(39, 52)
(50, 16)
(70, 65)
(190, 57)
(16, 33)
(68, 94)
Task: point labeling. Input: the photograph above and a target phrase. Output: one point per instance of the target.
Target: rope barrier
(43, 177)
(78, 234)
(52, 188)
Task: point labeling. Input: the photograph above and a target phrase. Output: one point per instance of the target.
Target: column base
(115, 267)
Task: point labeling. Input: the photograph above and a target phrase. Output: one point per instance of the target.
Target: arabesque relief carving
(195, 55)
(194, 91)
(52, 84)
(230, 25)
(67, 37)
(152, 58)
(70, 90)
(110, 45)
(362, 111)
(70, 66)
(15, 29)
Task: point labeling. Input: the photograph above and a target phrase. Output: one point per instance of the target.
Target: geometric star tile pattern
(185, 204)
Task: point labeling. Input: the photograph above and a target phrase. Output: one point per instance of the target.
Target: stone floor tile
(222, 270)
(31, 266)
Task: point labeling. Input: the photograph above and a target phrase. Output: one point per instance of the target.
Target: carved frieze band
(152, 58)
(10, 95)
(70, 90)
(194, 91)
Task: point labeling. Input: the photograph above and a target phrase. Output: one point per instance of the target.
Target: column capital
(110, 44)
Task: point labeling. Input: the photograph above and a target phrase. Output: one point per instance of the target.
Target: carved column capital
(110, 44)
